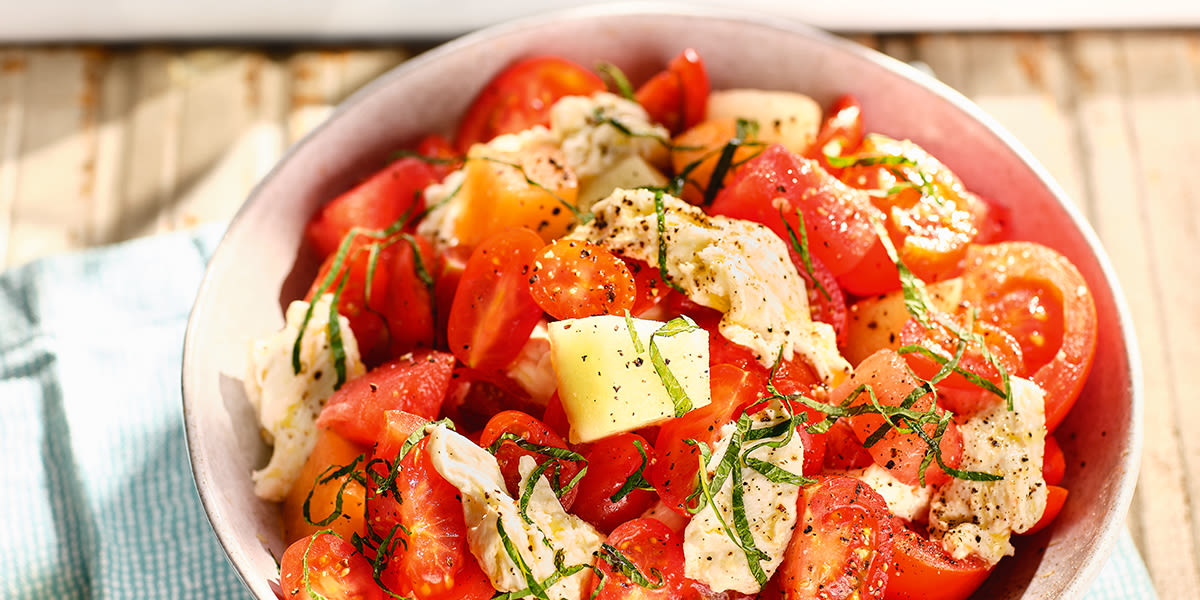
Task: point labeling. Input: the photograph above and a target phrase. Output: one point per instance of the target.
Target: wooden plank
(12, 76)
(1162, 93)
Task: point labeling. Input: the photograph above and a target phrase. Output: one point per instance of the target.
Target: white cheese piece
(608, 387)
(974, 517)
(485, 500)
(533, 368)
(908, 502)
(737, 267)
(288, 402)
(711, 556)
(584, 129)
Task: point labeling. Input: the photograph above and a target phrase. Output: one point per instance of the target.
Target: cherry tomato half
(677, 97)
(509, 454)
(325, 566)
(573, 279)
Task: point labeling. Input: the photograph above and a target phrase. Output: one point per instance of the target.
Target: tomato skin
(899, 453)
(374, 204)
(843, 450)
(1056, 497)
(828, 306)
(1040, 298)
(415, 383)
(922, 570)
(648, 285)
(1054, 463)
(674, 473)
(366, 317)
(332, 568)
(573, 279)
(410, 302)
(840, 134)
(836, 216)
(520, 97)
(446, 158)
(651, 546)
(330, 449)
(509, 454)
(611, 461)
(493, 312)
(677, 97)
(842, 543)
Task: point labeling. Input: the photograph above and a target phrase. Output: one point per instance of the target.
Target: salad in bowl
(646, 331)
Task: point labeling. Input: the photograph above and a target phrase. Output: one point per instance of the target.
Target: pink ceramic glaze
(255, 269)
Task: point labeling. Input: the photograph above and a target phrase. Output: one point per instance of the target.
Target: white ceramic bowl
(255, 270)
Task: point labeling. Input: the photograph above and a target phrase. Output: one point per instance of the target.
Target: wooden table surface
(99, 145)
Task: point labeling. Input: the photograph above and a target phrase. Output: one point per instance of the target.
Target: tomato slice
(612, 462)
(840, 134)
(674, 474)
(900, 453)
(493, 312)
(375, 204)
(521, 96)
(343, 495)
(842, 543)
(415, 383)
(420, 518)
(921, 569)
(573, 279)
(648, 285)
(325, 566)
(366, 315)
(1056, 497)
(677, 97)
(1040, 298)
(836, 216)
(657, 552)
(410, 301)
(1054, 463)
(445, 158)
(509, 454)
(843, 450)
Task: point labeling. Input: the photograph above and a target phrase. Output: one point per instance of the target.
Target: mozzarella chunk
(584, 129)
(439, 224)
(533, 368)
(979, 517)
(711, 555)
(607, 386)
(485, 501)
(908, 502)
(737, 267)
(288, 402)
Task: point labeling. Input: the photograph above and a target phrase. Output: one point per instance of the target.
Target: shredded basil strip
(637, 480)
(800, 246)
(550, 451)
(536, 587)
(633, 334)
(624, 88)
(530, 483)
(580, 216)
(741, 524)
(916, 299)
(968, 375)
(330, 278)
(314, 594)
(336, 345)
(745, 130)
(329, 474)
(660, 212)
(678, 395)
(621, 564)
(841, 162)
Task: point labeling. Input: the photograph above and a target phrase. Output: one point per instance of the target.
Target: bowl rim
(1131, 461)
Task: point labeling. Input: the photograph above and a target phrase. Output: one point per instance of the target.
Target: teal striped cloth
(95, 490)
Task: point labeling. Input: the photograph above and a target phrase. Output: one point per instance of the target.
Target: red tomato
(1056, 497)
(956, 393)
(836, 216)
(921, 569)
(573, 279)
(493, 313)
(828, 306)
(509, 454)
(397, 426)
(325, 566)
(366, 315)
(521, 96)
(555, 417)
(611, 462)
(410, 302)
(843, 450)
(656, 551)
(674, 474)
(415, 383)
(437, 147)
(840, 134)
(648, 283)
(929, 231)
(899, 453)
(842, 543)
(476, 396)
(677, 97)
(1054, 464)
(451, 262)
(421, 518)
(1040, 298)
(374, 204)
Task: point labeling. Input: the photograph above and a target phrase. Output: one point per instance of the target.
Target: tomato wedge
(1056, 497)
(840, 134)
(677, 97)
(657, 553)
(509, 454)
(1054, 464)
(921, 569)
(521, 96)
(612, 462)
(842, 543)
(1040, 298)
(415, 383)
(325, 566)
(573, 279)
(493, 312)
(366, 315)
